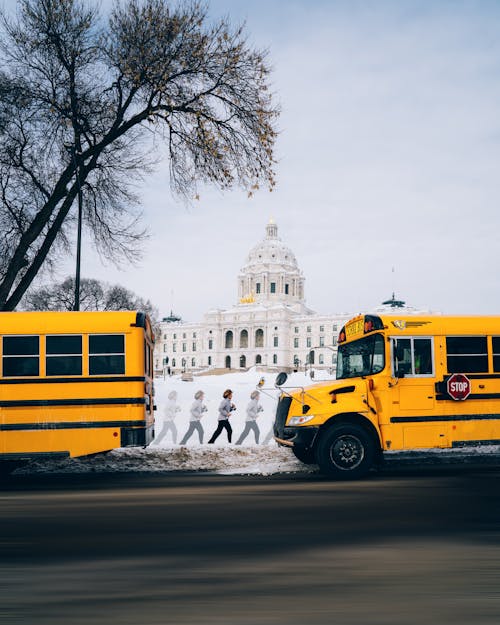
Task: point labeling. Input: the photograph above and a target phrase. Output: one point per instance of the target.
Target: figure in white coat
(169, 413)
(253, 410)
(197, 410)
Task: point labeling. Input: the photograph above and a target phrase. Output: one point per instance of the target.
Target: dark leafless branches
(78, 95)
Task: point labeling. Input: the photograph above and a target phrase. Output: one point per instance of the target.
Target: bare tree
(94, 295)
(84, 102)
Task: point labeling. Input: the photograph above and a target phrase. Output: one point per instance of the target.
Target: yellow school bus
(74, 383)
(403, 383)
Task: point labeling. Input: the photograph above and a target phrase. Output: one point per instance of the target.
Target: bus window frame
(32, 356)
(124, 353)
(411, 338)
(49, 356)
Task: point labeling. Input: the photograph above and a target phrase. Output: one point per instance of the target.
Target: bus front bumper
(302, 436)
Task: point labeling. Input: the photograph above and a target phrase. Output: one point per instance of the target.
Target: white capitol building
(270, 327)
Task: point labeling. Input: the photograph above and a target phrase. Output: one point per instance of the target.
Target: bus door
(413, 394)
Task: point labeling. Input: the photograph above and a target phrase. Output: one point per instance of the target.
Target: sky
(388, 165)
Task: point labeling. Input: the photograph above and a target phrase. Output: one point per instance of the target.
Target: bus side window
(412, 357)
(422, 350)
(402, 357)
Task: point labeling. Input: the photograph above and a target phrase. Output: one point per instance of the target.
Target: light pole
(73, 150)
(78, 238)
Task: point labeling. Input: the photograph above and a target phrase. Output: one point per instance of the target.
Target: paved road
(399, 548)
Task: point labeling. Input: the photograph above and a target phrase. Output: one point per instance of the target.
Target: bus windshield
(362, 357)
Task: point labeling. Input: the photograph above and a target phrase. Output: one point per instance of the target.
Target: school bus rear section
(403, 383)
(74, 383)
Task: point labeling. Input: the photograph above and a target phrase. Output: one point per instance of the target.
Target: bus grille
(281, 415)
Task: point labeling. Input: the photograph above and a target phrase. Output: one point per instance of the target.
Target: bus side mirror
(281, 378)
(400, 373)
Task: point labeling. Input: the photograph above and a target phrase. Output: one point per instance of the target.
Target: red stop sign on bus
(458, 386)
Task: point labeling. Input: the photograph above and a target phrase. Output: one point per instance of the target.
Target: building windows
(194, 347)
(193, 362)
(194, 335)
(183, 335)
(210, 344)
(334, 340)
(184, 347)
(229, 340)
(244, 339)
(321, 359)
(321, 328)
(210, 361)
(296, 329)
(286, 289)
(275, 359)
(174, 347)
(295, 342)
(308, 328)
(275, 341)
(259, 338)
(334, 327)
(308, 341)
(164, 347)
(258, 359)
(273, 287)
(321, 341)
(257, 287)
(173, 362)
(175, 336)
(243, 362)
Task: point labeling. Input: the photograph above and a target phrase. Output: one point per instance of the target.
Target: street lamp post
(78, 238)
(72, 149)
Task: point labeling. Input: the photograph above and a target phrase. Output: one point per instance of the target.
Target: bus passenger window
(21, 356)
(106, 354)
(63, 355)
(496, 354)
(467, 354)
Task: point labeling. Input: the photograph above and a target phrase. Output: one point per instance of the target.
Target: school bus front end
(332, 424)
(403, 383)
(74, 384)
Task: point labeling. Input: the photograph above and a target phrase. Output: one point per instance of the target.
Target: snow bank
(225, 458)
(219, 459)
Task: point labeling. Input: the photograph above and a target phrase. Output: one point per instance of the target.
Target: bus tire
(307, 456)
(345, 451)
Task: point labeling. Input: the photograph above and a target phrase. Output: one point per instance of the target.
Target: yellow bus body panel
(37, 412)
(416, 412)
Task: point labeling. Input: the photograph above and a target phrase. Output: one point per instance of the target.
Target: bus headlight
(300, 420)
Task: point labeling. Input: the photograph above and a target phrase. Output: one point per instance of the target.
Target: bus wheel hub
(347, 452)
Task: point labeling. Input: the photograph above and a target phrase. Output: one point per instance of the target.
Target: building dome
(271, 272)
(271, 251)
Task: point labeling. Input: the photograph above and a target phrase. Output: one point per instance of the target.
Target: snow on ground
(223, 457)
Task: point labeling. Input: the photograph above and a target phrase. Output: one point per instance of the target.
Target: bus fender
(354, 417)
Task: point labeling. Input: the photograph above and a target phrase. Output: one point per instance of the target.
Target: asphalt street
(408, 546)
